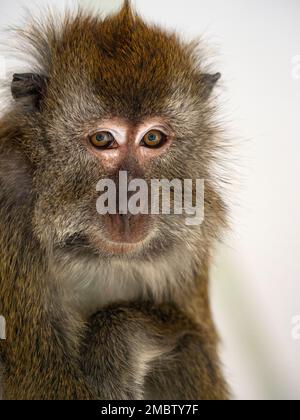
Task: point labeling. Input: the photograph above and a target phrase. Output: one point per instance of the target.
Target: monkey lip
(103, 245)
(118, 248)
(115, 237)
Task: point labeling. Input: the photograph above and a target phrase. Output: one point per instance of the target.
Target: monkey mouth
(82, 243)
(119, 248)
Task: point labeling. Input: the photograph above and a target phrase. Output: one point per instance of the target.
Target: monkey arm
(151, 352)
(193, 373)
(39, 363)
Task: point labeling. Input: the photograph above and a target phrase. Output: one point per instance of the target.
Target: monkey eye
(154, 139)
(102, 140)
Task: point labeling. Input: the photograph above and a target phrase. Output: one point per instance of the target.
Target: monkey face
(114, 96)
(111, 147)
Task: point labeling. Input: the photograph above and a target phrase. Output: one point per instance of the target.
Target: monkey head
(108, 96)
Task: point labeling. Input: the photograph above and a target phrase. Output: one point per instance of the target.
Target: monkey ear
(208, 82)
(29, 86)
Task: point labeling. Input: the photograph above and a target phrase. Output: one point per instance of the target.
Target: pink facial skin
(128, 141)
(122, 234)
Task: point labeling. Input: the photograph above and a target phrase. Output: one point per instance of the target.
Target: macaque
(114, 306)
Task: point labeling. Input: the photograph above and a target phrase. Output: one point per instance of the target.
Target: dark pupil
(100, 137)
(152, 137)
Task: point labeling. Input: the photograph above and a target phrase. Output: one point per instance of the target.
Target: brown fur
(90, 69)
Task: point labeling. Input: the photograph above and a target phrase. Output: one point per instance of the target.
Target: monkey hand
(148, 351)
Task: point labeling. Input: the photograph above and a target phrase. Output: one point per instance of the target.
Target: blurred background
(256, 275)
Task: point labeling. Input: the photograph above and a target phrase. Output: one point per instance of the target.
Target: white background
(256, 279)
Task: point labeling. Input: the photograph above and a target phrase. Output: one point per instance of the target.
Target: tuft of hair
(120, 55)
